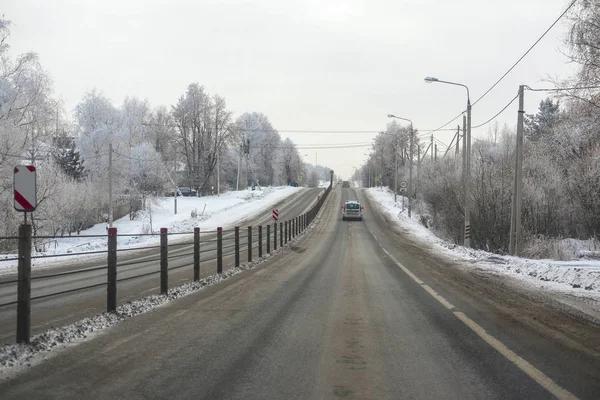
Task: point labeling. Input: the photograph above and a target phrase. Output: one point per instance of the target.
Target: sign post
(403, 186)
(24, 188)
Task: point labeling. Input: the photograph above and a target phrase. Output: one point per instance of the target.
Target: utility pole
(515, 220)
(395, 173)
(457, 141)
(435, 157)
(410, 170)
(381, 168)
(419, 159)
(467, 232)
(110, 188)
(432, 147)
(237, 182)
(175, 183)
(247, 157)
(464, 160)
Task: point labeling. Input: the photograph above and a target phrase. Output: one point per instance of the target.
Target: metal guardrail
(286, 231)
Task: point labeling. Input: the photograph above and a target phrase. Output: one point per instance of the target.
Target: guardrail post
(292, 228)
(111, 278)
(274, 236)
(219, 250)
(281, 234)
(268, 239)
(24, 285)
(164, 261)
(237, 246)
(286, 232)
(249, 244)
(259, 241)
(196, 254)
(297, 225)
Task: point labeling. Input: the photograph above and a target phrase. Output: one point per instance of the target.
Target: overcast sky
(307, 64)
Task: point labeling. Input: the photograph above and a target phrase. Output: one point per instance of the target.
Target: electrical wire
(499, 112)
(135, 158)
(512, 67)
(559, 89)
(527, 52)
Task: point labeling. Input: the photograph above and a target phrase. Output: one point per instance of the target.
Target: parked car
(186, 191)
(172, 193)
(352, 210)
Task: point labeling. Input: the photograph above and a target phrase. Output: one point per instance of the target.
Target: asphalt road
(66, 308)
(355, 310)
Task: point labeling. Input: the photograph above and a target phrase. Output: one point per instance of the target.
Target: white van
(352, 210)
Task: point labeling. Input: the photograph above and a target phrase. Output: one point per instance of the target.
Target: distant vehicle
(352, 210)
(187, 192)
(345, 184)
(171, 193)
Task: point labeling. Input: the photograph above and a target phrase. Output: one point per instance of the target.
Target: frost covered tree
(264, 140)
(287, 166)
(26, 120)
(147, 175)
(204, 130)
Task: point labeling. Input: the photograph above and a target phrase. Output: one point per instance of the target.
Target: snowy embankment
(580, 277)
(207, 212)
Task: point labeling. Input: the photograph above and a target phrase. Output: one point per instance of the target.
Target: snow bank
(210, 212)
(581, 277)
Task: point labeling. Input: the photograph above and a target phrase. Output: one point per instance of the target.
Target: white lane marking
(534, 373)
(438, 297)
(526, 367)
(406, 270)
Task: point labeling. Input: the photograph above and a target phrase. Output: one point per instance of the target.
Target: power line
(499, 112)
(135, 158)
(440, 142)
(513, 66)
(527, 52)
(332, 147)
(560, 89)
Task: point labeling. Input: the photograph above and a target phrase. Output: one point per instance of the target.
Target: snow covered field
(212, 212)
(578, 276)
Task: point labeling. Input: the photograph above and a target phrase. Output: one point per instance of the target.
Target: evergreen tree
(70, 161)
(542, 122)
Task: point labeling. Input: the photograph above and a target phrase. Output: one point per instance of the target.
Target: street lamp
(467, 160)
(410, 163)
